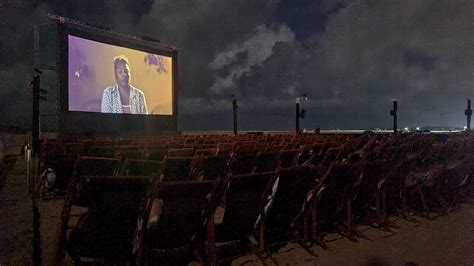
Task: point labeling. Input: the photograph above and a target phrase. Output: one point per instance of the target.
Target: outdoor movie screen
(113, 79)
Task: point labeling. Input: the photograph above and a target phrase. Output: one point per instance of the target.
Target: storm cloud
(350, 57)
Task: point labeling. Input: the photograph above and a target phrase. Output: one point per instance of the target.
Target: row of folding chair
(257, 206)
(100, 211)
(341, 197)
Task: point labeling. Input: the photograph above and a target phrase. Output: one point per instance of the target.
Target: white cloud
(257, 48)
(362, 55)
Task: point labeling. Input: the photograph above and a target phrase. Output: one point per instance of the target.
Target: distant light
(406, 129)
(465, 127)
(417, 128)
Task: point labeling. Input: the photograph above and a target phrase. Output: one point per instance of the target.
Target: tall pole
(393, 113)
(235, 108)
(468, 113)
(36, 112)
(297, 121)
(36, 91)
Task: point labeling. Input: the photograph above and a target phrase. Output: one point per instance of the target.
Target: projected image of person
(123, 97)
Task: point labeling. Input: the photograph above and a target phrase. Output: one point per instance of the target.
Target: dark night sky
(351, 57)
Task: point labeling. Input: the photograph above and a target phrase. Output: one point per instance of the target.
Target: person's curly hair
(121, 59)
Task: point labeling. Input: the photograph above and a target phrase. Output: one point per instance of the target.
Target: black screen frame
(96, 123)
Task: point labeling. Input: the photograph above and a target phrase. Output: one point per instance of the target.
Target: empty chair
(243, 163)
(334, 193)
(292, 146)
(244, 148)
(459, 179)
(210, 167)
(243, 203)
(332, 155)
(176, 168)
(267, 161)
(205, 152)
(305, 156)
(130, 152)
(288, 207)
(394, 190)
(85, 166)
(369, 193)
(157, 155)
(123, 142)
(185, 152)
(225, 148)
(288, 158)
(101, 151)
(275, 148)
(260, 147)
(208, 146)
(105, 232)
(97, 166)
(52, 153)
(143, 168)
(173, 144)
(73, 149)
(153, 147)
(173, 237)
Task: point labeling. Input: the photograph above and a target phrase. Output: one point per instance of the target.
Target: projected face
(122, 74)
(100, 79)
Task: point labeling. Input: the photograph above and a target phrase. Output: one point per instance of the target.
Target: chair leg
(351, 232)
(211, 240)
(315, 239)
(256, 250)
(302, 243)
(261, 241)
(444, 205)
(384, 207)
(378, 210)
(343, 230)
(347, 229)
(423, 202)
(320, 242)
(405, 214)
(350, 222)
(305, 228)
(62, 230)
(314, 222)
(404, 203)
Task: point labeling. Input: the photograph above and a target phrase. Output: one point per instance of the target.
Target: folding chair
(206, 152)
(130, 152)
(225, 148)
(394, 198)
(177, 168)
(233, 235)
(210, 167)
(179, 227)
(101, 151)
(459, 180)
(289, 158)
(288, 211)
(143, 168)
(156, 155)
(105, 232)
(173, 144)
(267, 161)
(370, 192)
(84, 166)
(334, 193)
(242, 163)
(185, 152)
